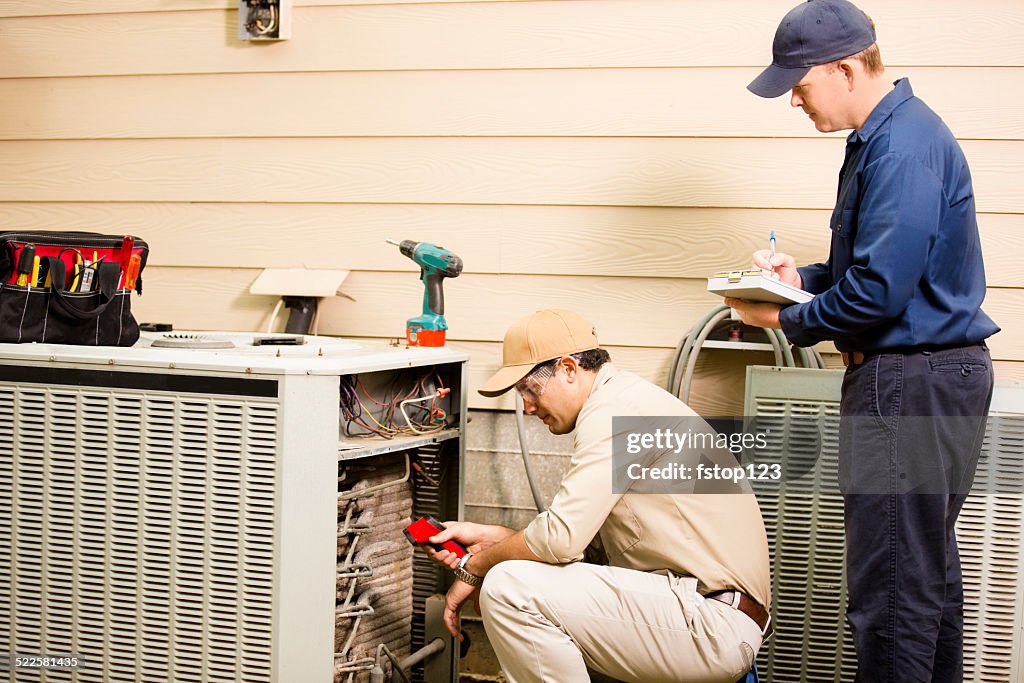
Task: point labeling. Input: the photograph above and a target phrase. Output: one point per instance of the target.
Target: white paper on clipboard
(752, 285)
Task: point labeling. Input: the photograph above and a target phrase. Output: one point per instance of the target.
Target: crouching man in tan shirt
(685, 593)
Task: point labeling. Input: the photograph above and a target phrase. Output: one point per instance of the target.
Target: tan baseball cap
(543, 336)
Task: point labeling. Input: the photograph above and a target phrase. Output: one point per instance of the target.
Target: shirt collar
(604, 373)
(883, 110)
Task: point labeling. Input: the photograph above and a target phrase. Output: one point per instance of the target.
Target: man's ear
(572, 367)
(848, 70)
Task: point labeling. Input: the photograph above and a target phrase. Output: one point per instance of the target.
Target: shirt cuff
(791, 320)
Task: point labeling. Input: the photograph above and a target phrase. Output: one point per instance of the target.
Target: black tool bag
(69, 287)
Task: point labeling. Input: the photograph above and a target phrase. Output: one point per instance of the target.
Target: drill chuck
(408, 248)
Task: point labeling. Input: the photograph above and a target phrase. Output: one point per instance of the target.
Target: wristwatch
(462, 574)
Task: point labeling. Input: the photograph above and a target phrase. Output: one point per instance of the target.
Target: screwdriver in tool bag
(134, 263)
(28, 254)
(78, 273)
(127, 244)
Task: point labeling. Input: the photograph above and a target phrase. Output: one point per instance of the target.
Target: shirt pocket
(844, 222)
(621, 530)
(844, 227)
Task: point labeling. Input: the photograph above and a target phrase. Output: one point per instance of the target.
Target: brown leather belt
(752, 608)
(852, 358)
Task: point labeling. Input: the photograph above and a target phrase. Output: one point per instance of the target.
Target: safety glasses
(532, 387)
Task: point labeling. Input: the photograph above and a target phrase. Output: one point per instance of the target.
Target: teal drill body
(436, 263)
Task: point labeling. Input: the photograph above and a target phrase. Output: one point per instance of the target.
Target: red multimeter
(423, 528)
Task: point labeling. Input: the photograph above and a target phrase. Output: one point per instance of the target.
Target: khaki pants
(550, 622)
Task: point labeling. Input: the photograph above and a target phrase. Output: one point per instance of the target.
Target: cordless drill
(436, 263)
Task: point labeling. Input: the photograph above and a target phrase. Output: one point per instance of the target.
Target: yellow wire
(367, 411)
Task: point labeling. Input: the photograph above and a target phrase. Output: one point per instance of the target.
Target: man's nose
(529, 405)
(795, 100)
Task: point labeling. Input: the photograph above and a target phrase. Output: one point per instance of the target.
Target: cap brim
(504, 379)
(776, 81)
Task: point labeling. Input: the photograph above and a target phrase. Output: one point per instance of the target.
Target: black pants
(910, 436)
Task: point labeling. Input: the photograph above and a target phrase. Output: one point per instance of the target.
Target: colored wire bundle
(401, 410)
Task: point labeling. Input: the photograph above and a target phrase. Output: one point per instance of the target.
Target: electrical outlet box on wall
(264, 19)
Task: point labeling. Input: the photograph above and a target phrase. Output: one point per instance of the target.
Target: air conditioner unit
(990, 532)
(172, 514)
(804, 519)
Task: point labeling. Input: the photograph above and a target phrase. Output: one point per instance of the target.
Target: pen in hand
(770, 270)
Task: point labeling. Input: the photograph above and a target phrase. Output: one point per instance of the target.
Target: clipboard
(752, 285)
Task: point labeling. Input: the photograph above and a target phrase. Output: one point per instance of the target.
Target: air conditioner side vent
(806, 536)
(126, 511)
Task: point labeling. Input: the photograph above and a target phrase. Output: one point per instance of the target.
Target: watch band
(463, 574)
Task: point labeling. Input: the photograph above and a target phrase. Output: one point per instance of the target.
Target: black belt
(744, 603)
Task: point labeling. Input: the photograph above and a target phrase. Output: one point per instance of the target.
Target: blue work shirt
(905, 268)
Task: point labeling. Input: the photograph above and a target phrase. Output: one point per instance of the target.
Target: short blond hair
(871, 58)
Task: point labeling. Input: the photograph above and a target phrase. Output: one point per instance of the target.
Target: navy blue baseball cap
(815, 32)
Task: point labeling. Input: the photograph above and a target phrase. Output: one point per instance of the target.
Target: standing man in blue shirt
(900, 295)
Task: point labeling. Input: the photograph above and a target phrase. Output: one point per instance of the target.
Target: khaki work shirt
(718, 538)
